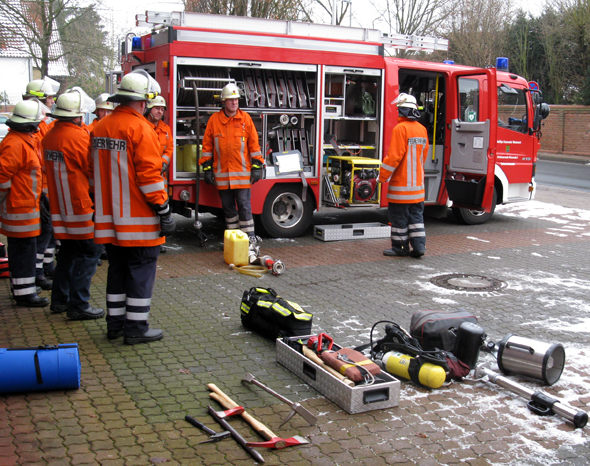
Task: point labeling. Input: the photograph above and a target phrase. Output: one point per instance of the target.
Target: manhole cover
(464, 282)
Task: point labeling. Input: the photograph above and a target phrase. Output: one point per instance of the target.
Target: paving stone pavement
(131, 405)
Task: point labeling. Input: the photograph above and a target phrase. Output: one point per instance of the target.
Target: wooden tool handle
(315, 358)
(228, 403)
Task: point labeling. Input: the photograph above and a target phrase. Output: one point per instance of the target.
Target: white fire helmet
(73, 103)
(42, 88)
(138, 86)
(231, 91)
(405, 101)
(101, 102)
(28, 111)
(159, 101)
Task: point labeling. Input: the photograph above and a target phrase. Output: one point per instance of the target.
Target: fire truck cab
(320, 97)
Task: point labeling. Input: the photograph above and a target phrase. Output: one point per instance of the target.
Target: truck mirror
(541, 112)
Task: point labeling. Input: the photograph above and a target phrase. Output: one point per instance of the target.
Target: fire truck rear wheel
(285, 215)
(475, 217)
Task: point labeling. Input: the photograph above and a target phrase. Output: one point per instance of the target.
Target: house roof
(16, 38)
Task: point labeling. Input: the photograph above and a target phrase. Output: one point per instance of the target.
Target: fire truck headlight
(184, 195)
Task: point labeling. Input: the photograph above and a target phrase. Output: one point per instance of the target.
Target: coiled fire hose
(252, 270)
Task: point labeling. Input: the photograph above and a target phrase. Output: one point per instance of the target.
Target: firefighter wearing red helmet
(404, 169)
(232, 160)
(20, 193)
(65, 149)
(132, 215)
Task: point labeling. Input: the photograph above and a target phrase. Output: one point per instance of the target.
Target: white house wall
(16, 73)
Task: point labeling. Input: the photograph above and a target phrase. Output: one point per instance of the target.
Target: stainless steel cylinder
(542, 361)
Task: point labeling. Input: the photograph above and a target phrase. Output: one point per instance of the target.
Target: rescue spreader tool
(539, 402)
(235, 435)
(214, 436)
(272, 440)
(295, 407)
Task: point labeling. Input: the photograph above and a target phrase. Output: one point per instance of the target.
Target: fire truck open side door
(470, 171)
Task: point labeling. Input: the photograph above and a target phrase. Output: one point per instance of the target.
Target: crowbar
(295, 407)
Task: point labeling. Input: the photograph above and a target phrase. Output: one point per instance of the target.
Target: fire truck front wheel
(475, 217)
(285, 214)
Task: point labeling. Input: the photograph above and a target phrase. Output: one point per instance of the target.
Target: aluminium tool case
(351, 231)
(358, 399)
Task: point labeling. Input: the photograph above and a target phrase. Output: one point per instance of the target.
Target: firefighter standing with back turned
(132, 215)
(404, 169)
(65, 148)
(20, 192)
(45, 91)
(232, 160)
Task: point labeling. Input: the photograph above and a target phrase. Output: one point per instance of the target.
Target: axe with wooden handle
(273, 440)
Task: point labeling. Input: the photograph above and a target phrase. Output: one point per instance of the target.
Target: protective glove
(167, 222)
(167, 225)
(164, 168)
(208, 175)
(44, 210)
(256, 172)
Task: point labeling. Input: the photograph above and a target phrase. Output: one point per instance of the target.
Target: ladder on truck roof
(158, 19)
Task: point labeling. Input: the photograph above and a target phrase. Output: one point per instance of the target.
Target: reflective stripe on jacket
(126, 165)
(65, 149)
(232, 142)
(20, 185)
(404, 164)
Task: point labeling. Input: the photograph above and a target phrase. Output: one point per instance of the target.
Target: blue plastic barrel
(50, 367)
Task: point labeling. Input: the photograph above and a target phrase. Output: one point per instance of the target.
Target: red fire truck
(320, 97)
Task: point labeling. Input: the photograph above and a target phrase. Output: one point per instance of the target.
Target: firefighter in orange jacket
(132, 215)
(232, 160)
(20, 193)
(103, 108)
(404, 169)
(155, 113)
(45, 91)
(65, 148)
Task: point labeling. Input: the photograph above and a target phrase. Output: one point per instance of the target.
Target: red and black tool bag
(438, 329)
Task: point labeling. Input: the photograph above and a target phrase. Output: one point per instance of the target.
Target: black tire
(475, 217)
(285, 215)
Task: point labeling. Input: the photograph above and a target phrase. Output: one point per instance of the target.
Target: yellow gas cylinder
(179, 158)
(430, 375)
(190, 158)
(236, 246)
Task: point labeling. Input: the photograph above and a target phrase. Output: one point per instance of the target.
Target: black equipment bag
(438, 329)
(265, 312)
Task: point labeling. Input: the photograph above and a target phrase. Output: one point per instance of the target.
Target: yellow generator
(354, 179)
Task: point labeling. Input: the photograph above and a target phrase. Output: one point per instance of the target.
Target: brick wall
(567, 130)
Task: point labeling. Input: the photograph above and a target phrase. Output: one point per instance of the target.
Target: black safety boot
(417, 253)
(43, 282)
(87, 314)
(392, 252)
(153, 334)
(114, 334)
(32, 301)
(58, 308)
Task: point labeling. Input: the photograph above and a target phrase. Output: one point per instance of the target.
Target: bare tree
(477, 31)
(45, 30)
(272, 9)
(414, 17)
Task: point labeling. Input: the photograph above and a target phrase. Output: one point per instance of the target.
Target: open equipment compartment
(279, 97)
